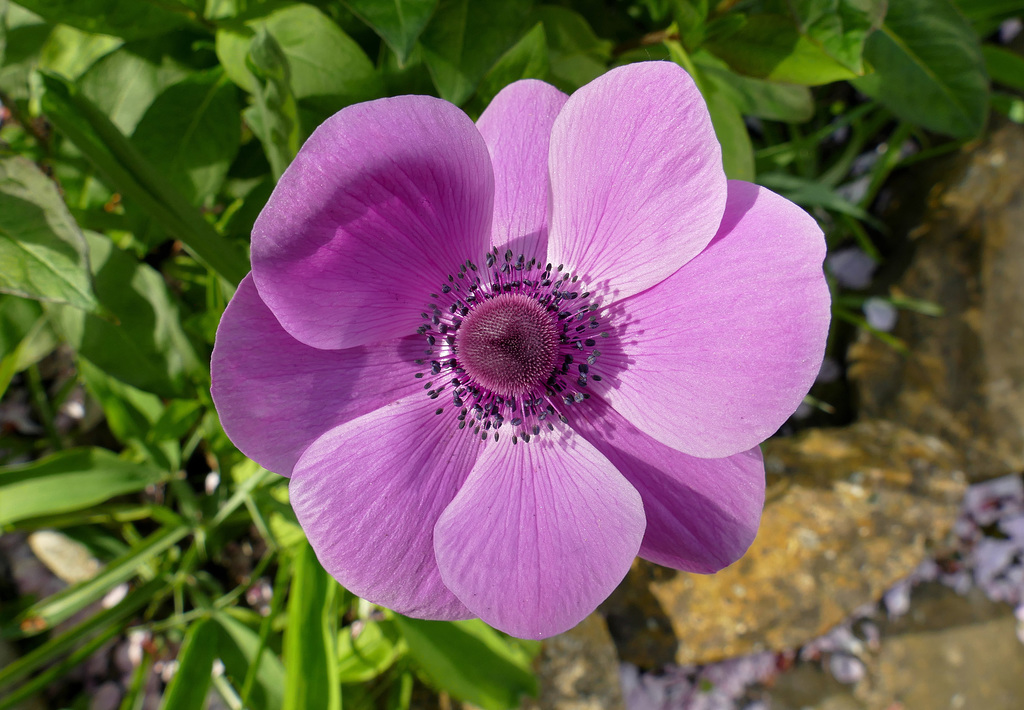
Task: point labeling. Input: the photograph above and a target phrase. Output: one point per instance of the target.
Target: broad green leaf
(771, 47)
(928, 68)
(124, 83)
(328, 70)
(239, 648)
(577, 55)
(69, 480)
(398, 22)
(367, 654)
(840, 27)
(22, 36)
(66, 603)
(129, 19)
(471, 661)
(310, 639)
(528, 59)
(191, 682)
(146, 346)
(1004, 67)
(191, 133)
(42, 252)
(70, 52)
(274, 115)
(464, 40)
(755, 97)
(125, 170)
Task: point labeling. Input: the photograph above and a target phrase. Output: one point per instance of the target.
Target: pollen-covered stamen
(508, 344)
(518, 347)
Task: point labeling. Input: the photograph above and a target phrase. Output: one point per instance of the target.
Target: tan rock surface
(963, 380)
(849, 512)
(579, 670)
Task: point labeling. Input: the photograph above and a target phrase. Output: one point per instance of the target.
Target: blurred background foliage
(140, 139)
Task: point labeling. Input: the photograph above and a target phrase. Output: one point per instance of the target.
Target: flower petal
(517, 129)
(538, 535)
(637, 182)
(275, 396)
(384, 200)
(715, 358)
(368, 493)
(702, 514)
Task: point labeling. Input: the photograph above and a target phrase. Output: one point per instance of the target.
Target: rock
(71, 561)
(579, 670)
(849, 512)
(963, 377)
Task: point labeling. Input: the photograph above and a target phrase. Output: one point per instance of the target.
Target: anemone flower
(500, 360)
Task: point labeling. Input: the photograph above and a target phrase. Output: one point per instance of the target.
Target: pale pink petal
(715, 358)
(517, 128)
(275, 396)
(702, 514)
(539, 535)
(367, 494)
(637, 182)
(382, 203)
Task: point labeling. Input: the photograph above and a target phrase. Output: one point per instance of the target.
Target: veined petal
(368, 492)
(715, 358)
(383, 201)
(702, 514)
(275, 396)
(637, 181)
(517, 129)
(538, 535)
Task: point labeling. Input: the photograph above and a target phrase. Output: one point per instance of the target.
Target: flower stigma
(516, 348)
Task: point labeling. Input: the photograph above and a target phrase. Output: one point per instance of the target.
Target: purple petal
(367, 494)
(382, 203)
(539, 535)
(702, 514)
(636, 177)
(275, 396)
(714, 359)
(517, 128)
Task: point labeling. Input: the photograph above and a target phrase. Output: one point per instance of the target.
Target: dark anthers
(545, 328)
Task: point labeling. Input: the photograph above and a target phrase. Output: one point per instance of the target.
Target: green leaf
(124, 83)
(191, 682)
(987, 15)
(840, 27)
(398, 22)
(928, 68)
(69, 480)
(471, 661)
(274, 115)
(22, 36)
(129, 19)
(528, 59)
(145, 346)
(328, 70)
(577, 55)
(125, 170)
(66, 603)
(42, 252)
(364, 656)
(70, 52)
(191, 133)
(25, 337)
(240, 647)
(310, 639)
(771, 47)
(464, 40)
(1004, 67)
(755, 97)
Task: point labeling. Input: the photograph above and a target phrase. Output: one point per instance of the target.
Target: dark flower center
(511, 346)
(508, 344)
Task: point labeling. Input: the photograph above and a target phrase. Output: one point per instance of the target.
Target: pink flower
(498, 361)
